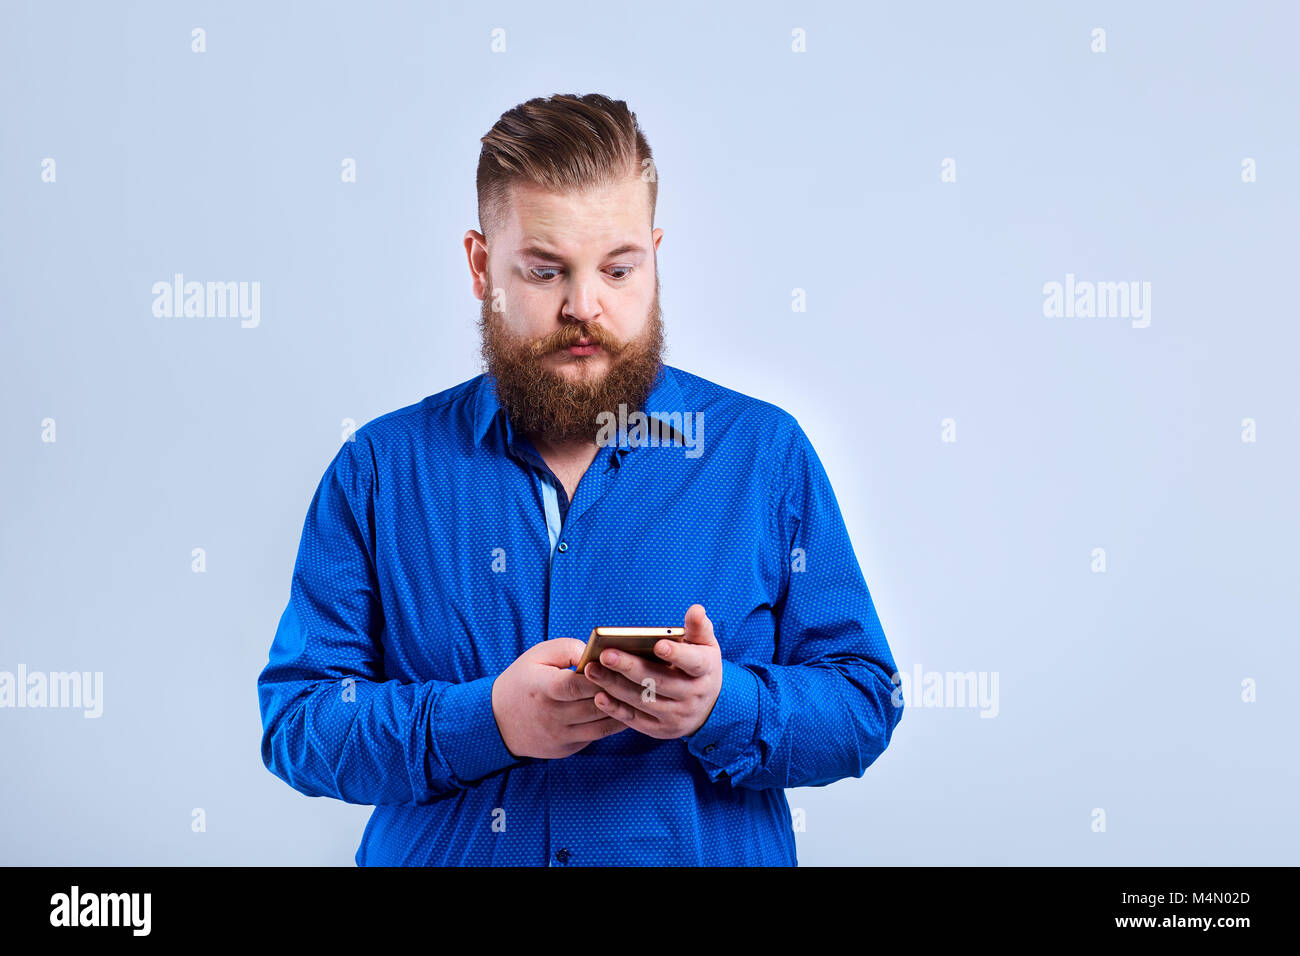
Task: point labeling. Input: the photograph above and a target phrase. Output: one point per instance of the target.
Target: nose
(582, 303)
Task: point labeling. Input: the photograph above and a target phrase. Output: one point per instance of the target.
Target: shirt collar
(664, 400)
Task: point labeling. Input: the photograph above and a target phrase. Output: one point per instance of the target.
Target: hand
(671, 696)
(543, 709)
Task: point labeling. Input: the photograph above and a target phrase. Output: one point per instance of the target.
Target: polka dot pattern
(426, 567)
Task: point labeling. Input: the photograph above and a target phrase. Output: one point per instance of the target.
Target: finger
(638, 670)
(699, 629)
(558, 652)
(572, 713)
(658, 679)
(693, 660)
(629, 715)
(570, 685)
(597, 729)
(622, 689)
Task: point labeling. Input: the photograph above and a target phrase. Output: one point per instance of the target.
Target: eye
(537, 273)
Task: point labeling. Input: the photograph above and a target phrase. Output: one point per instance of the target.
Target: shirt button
(710, 748)
(562, 855)
(562, 547)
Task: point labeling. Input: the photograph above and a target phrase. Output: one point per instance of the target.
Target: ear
(476, 254)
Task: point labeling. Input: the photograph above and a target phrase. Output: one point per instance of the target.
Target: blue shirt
(439, 547)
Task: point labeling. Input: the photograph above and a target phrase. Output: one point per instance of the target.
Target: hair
(563, 143)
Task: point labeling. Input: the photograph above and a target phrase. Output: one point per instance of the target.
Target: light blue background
(778, 171)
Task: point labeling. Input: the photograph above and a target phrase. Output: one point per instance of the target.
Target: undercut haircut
(564, 143)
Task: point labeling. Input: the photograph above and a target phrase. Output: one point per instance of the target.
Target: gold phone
(635, 640)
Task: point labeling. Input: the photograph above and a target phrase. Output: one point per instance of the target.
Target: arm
(332, 725)
(823, 709)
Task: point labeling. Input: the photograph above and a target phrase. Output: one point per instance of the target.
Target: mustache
(569, 335)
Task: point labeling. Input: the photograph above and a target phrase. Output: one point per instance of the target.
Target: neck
(572, 448)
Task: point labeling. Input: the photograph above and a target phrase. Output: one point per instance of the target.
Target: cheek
(530, 312)
(630, 329)
(627, 315)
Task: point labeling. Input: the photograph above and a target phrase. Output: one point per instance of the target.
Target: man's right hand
(543, 709)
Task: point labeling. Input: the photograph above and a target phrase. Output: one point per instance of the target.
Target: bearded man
(458, 552)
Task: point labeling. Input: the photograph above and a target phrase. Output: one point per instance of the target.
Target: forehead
(580, 222)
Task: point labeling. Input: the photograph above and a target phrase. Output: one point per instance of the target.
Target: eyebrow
(539, 252)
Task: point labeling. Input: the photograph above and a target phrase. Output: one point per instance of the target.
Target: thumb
(558, 652)
(699, 629)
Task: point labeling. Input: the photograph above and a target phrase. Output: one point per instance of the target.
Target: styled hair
(563, 143)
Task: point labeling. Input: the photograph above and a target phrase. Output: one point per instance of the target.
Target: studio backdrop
(1023, 273)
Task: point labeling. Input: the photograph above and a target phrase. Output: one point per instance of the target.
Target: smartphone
(635, 640)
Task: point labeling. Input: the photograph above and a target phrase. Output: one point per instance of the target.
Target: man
(459, 551)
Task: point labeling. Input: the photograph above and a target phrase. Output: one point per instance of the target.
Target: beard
(542, 402)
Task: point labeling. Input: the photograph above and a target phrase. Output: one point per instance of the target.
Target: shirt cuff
(728, 733)
(464, 732)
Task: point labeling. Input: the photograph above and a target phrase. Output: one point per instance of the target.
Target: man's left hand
(670, 696)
